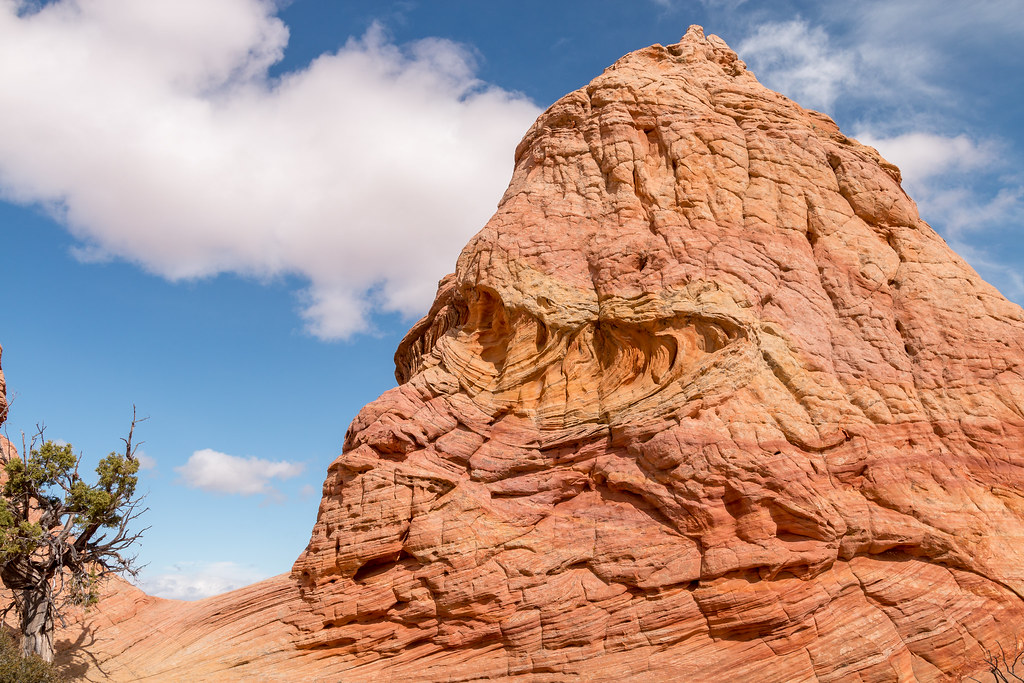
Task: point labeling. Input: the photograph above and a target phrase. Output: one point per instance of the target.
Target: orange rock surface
(705, 400)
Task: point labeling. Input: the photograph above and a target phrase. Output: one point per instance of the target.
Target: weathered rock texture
(704, 400)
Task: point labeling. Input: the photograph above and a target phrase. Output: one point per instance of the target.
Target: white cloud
(942, 172)
(155, 133)
(922, 156)
(146, 462)
(961, 210)
(798, 60)
(912, 44)
(212, 470)
(721, 4)
(197, 580)
(877, 52)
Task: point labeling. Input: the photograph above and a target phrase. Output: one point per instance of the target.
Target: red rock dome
(704, 400)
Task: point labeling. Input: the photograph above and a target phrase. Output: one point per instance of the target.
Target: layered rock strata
(706, 399)
(705, 392)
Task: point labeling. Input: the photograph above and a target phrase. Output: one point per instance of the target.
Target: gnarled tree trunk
(31, 588)
(36, 623)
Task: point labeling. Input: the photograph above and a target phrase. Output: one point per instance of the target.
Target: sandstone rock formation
(705, 400)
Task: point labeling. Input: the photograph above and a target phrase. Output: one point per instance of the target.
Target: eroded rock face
(705, 396)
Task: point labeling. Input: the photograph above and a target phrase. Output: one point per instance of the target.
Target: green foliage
(48, 481)
(18, 537)
(15, 668)
(60, 535)
(117, 481)
(46, 467)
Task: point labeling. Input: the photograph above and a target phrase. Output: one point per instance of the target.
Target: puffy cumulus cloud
(218, 472)
(799, 60)
(154, 132)
(197, 580)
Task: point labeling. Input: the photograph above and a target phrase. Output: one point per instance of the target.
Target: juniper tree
(60, 534)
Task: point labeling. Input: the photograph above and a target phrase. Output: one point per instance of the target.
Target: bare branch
(129, 449)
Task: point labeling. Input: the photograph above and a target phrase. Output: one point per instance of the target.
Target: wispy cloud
(957, 185)
(218, 472)
(197, 580)
(894, 55)
(1007, 278)
(924, 156)
(153, 130)
(710, 4)
(964, 213)
(146, 462)
(798, 60)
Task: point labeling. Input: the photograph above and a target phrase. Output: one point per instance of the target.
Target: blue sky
(229, 213)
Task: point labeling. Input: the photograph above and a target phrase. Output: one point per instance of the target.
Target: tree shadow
(74, 659)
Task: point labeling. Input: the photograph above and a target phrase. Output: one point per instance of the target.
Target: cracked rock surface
(705, 400)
